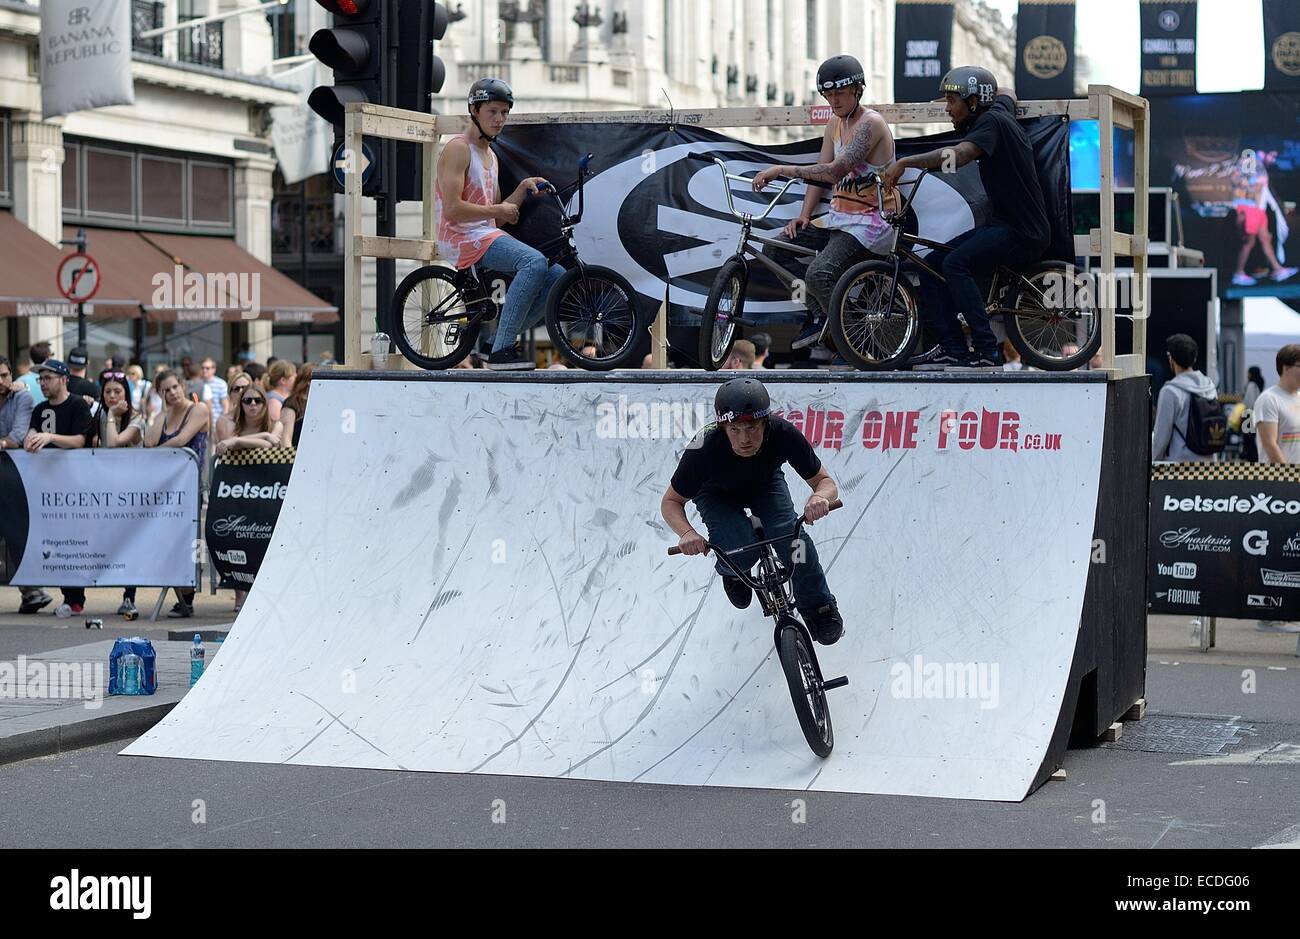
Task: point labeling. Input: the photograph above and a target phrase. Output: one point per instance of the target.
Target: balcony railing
(146, 15)
(201, 45)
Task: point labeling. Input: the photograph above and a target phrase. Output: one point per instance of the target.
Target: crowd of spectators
(49, 404)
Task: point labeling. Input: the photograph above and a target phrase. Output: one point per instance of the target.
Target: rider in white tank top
(465, 243)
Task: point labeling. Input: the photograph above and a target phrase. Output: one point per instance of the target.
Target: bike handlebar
(579, 184)
(731, 204)
(724, 553)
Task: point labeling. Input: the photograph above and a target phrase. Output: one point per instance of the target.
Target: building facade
(180, 179)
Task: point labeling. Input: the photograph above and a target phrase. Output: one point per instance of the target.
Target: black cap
(77, 358)
(55, 366)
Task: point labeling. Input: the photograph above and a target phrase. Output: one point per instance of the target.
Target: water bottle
(196, 659)
(129, 673)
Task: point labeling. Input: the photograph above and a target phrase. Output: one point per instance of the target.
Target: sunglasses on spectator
(114, 375)
(253, 399)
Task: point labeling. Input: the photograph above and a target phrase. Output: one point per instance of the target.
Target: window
(210, 193)
(72, 179)
(811, 27)
(6, 189)
(110, 182)
(162, 188)
(667, 33)
(156, 190)
(284, 42)
(199, 45)
(146, 15)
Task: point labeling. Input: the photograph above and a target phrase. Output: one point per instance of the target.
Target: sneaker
(943, 360)
(1285, 273)
(128, 610)
(985, 360)
(1265, 626)
(510, 359)
(809, 335)
(1243, 280)
(180, 611)
(925, 358)
(63, 611)
(35, 601)
(738, 592)
(826, 624)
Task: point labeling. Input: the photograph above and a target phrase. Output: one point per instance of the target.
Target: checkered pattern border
(1231, 472)
(254, 457)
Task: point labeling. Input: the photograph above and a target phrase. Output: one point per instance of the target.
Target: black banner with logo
(922, 48)
(1168, 47)
(1045, 49)
(248, 488)
(1281, 45)
(1225, 547)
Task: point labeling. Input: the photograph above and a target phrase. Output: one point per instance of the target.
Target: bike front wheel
(718, 324)
(875, 321)
(594, 306)
(805, 681)
(1050, 308)
(435, 316)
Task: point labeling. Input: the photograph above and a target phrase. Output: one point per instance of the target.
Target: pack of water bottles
(132, 667)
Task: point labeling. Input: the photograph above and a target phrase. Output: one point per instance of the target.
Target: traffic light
(420, 76)
(353, 48)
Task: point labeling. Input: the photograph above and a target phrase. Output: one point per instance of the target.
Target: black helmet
(741, 399)
(970, 80)
(840, 71)
(490, 89)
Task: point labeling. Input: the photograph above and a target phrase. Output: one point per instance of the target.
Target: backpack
(1207, 427)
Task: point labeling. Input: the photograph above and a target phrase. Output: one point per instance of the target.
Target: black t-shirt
(709, 464)
(71, 418)
(1008, 172)
(82, 386)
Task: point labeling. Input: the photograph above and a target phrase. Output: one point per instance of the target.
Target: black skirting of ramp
(1108, 675)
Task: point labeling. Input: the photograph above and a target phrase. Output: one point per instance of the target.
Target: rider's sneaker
(809, 335)
(943, 360)
(826, 624)
(985, 360)
(510, 359)
(738, 592)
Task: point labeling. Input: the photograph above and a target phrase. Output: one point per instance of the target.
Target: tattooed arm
(864, 138)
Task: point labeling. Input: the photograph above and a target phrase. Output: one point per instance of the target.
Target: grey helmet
(741, 399)
(968, 80)
(840, 71)
(490, 89)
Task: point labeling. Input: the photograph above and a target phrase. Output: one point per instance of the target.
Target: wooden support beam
(414, 249)
(352, 229)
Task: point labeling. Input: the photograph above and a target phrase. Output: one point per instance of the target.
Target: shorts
(1252, 219)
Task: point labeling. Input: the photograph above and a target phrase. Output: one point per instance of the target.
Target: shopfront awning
(28, 278)
(198, 278)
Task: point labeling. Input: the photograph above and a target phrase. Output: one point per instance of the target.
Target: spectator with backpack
(1190, 426)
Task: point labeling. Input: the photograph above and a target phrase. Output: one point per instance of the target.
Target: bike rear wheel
(435, 316)
(1050, 306)
(805, 682)
(726, 301)
(594, 306)
(869, 330)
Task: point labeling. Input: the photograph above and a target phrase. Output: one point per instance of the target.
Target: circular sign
(1286, 54)
(1169, 20)
(78, 277)
(345, 162)
(1045, 57)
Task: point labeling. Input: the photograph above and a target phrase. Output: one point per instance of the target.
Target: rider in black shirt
(736, 464)
(1016, 234)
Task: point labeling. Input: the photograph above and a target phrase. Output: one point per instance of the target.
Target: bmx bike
(794, 643)
(437, 312)
(875, 316)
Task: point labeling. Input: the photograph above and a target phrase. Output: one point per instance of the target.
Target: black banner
(658, 218)
(1168, 47)
(1045, 49)
(1281, 45)
(922, 48)
(248, 489)
(1224, 547)
(1234, 160)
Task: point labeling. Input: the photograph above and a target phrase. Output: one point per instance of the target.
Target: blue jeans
(729, 528)
(978, 250)
(525, 305)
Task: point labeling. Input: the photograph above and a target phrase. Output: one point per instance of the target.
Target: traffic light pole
(386, 202)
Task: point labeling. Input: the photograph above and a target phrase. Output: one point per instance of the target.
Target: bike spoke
(599, 312)
(874, 331)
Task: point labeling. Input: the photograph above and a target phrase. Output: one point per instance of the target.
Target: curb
(211, 634)
(52, 741)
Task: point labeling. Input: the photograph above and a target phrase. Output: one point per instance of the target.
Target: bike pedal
(835, 683)
(453, 334)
